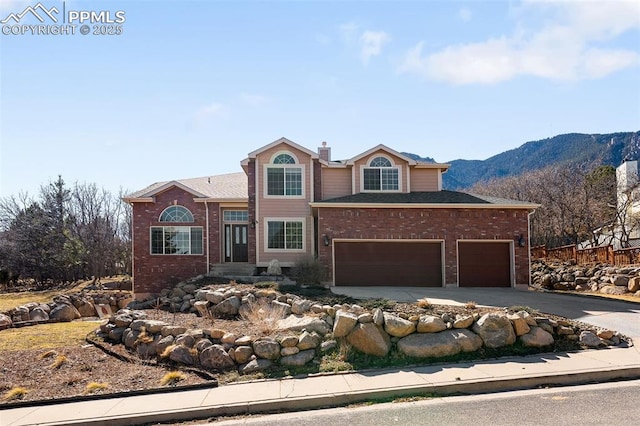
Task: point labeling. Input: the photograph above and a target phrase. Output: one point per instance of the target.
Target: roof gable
(384, 148)
(285, 141)
(231, 186)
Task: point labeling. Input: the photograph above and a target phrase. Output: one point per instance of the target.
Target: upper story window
(284, 176)
(176, 214)
(380, 175)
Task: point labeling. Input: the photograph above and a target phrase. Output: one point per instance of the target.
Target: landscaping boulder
(215, 357)
(462, 321)
(396, 326)
(308, 341)
(590, 339)
(5, 321)
(64, 312)
(181, 354)
(258, 364)
(304, 322)
(536, 338)
(445, 343)
(432, 324)
(299, 359)
(343, 323)
(227, 308)
(243, 354)
(38, 314)
(495, 330)
(370, 339)
(634, 284)
(266, 348)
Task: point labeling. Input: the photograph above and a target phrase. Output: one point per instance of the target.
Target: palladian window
(284, 176)
(380, 175)
(176, 239)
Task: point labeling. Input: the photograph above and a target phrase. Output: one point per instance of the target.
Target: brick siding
(449, 225)
(152, 273)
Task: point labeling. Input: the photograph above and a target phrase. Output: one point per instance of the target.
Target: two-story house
(379, 218)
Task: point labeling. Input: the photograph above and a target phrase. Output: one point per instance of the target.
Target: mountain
(572, 150)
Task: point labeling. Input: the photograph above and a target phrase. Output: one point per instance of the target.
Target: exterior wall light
(521, 241)
(325, 240)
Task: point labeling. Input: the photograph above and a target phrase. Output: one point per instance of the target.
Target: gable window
(380, 175)
(284, 176)
(176, 214)
(176, 240)
(285, 234)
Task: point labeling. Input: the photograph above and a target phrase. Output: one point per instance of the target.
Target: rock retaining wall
(599, 278)
(63, 308)
(308, 329)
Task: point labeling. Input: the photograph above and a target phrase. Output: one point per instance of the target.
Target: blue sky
(190, 87)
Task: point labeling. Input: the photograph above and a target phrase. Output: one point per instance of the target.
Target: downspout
(133, 257)
(206, 213)
(529, 241)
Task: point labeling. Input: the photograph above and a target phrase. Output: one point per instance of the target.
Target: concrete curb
(470, 387)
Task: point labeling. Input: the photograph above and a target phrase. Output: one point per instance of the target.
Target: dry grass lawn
(46, 336)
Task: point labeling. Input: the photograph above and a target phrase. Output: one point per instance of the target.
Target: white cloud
(571, 46)
(213, 111)
(371, 43)
(464, 14)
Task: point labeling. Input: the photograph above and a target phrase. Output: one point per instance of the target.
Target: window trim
(270, 165)
(173, 206)
(163, 237)
(285, 220)
(367, 166)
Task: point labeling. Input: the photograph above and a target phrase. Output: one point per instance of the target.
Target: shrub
(15, 393)
(423, 303)
(471, 305)
(308, 271)
(94, 387)
(263, 315)
(172, 378)
(60, 360)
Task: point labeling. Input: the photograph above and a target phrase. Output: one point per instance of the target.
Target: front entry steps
(245, 273)
(233, 269)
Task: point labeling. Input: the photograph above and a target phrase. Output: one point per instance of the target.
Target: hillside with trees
(574, 150)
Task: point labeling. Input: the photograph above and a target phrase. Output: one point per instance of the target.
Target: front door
(236, 245)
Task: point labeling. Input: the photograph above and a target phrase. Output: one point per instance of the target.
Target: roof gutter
(423, 205)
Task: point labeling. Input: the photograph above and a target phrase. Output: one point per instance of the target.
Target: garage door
(484, 264)
(386, 263)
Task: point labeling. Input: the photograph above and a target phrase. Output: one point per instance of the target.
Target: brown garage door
(385, 263)
(484, 264)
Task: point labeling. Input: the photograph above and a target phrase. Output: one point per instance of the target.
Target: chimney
(324, 152)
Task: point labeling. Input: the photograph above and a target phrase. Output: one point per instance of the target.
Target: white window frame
(285, 219)
(175, 254)
(367, 166)
(270, 165)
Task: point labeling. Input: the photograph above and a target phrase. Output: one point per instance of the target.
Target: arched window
(284, 176)
(284, 159)
(380, 175)
(380, 162)
(176, 214)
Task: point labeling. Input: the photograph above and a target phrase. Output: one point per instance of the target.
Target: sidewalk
(333, 390)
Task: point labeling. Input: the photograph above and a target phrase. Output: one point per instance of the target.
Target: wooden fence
(604, 254)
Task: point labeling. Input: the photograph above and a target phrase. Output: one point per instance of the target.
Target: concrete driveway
(607, 313)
